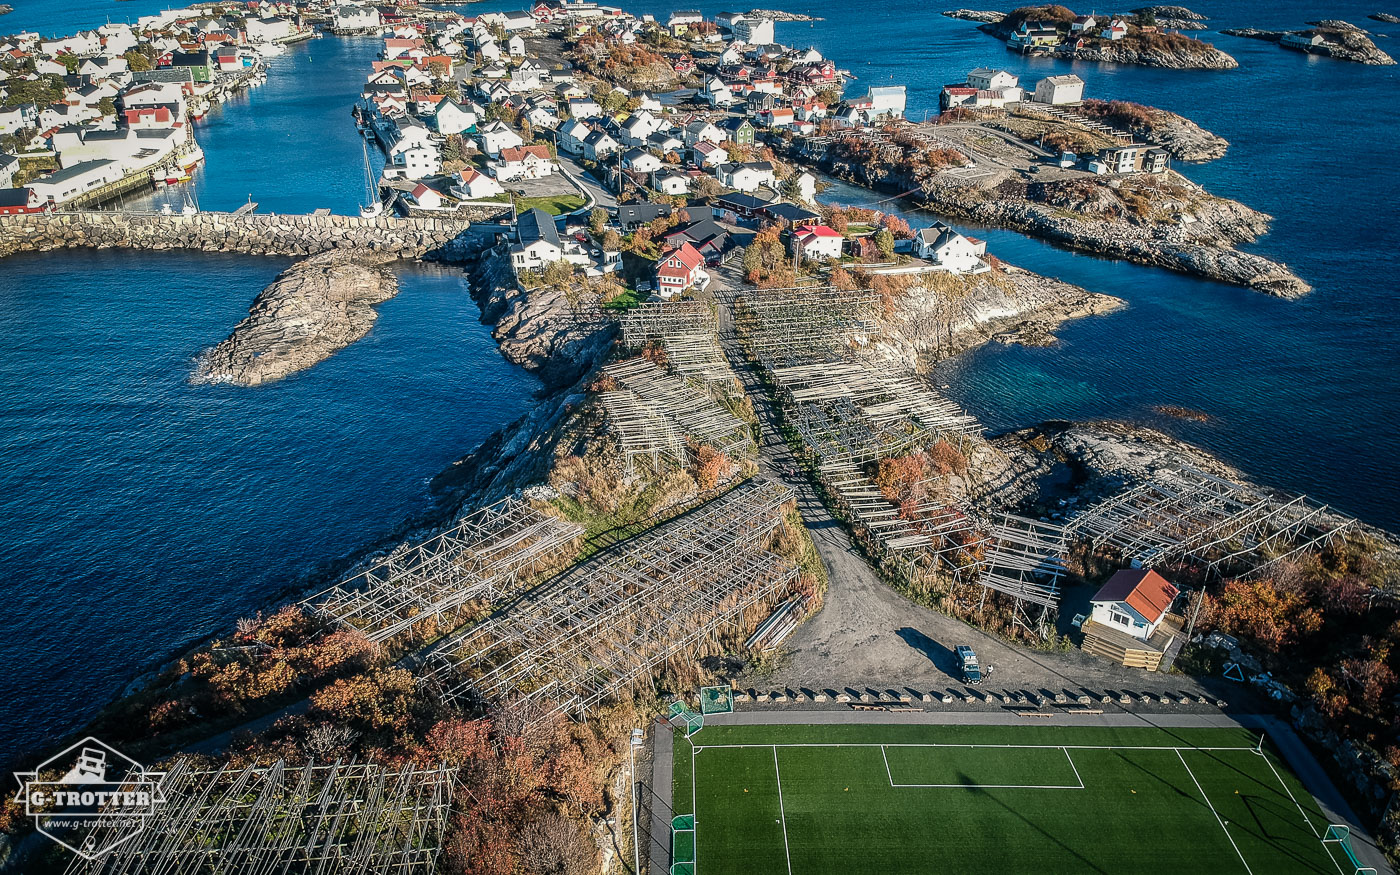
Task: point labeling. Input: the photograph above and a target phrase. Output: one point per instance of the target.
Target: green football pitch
(979, 799)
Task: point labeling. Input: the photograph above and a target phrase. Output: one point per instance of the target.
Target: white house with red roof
(472, 184)
(817, 242)
(426, 197)
(523, 162)
(680, 269)
(1116, 30)
(1134, 601)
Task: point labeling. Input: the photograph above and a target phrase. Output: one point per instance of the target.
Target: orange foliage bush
(1262, 612)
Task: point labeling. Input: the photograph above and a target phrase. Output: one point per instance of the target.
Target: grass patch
(554, 204)
(1016, 799)
(625, 301)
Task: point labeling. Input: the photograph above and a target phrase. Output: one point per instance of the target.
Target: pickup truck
(967, 663)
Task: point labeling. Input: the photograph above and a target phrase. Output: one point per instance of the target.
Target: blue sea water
(141, 512)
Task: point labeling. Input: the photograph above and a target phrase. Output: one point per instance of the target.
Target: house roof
(742, 200)
(536, 224)
(790, 212)
(689, 257)
(812, 232)
(703, 233)
(14, 197)
(641, 212)
(1144, 590)
(520, 153)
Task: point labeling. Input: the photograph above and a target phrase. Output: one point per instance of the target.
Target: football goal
(1340, 834)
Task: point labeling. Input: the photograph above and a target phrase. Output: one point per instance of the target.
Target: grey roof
(790, 212)
(535, 225)
(628, 214)
(73, 172)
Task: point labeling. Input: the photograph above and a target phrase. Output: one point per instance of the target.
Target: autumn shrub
(710, 467)
(381, 699)
(947, 459)
(1263, 613)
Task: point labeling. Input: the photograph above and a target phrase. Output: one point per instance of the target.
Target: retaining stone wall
(438, 239)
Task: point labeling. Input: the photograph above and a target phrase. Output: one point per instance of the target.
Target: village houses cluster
(471, 111)
(522, 115)
(88, 116)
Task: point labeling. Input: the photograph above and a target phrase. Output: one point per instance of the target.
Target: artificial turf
(947, 799)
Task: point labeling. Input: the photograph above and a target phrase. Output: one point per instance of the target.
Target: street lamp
(638, 738)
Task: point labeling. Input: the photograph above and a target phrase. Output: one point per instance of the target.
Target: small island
(1330, 38)
(779, 15)
(312, 310)
(1135, 39)
(1174, 17)
(1384, 17)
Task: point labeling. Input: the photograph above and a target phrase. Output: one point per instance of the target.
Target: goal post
(716, 700)
(683, 844)
(685, 719)
(1340, 834)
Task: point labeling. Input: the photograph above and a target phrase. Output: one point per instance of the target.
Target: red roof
(689, 258)
(518, 153)
(1145, 591)
(815, 231)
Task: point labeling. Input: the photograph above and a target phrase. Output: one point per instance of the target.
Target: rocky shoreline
(1170, 223)
(539, 329)
(1183, 138)
(983, 16)
(779, 15)
(1174, 17)
(311, 311)
(1147, 50)
(1009, 305)
(1342, 40)
(1204, 247)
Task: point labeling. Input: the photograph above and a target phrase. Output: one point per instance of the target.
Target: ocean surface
(141, 512)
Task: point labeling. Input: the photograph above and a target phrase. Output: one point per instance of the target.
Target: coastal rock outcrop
(312, 310)
(1174, 17)
(1150, 47)
(1338, 39)
(540, 329)
(985, 16)
(1385, 17)
(1183, 138)
(942, 315)
(1169, 56)
(779, 15)
(1112, 219)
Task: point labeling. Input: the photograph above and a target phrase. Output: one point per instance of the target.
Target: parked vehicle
(967, 662)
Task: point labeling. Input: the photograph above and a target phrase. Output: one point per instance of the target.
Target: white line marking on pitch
(890, 775)
(990, 746)
(694, 813)
(1218, 819)
(777, 773)
(1077, 776)
(1306, 819)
